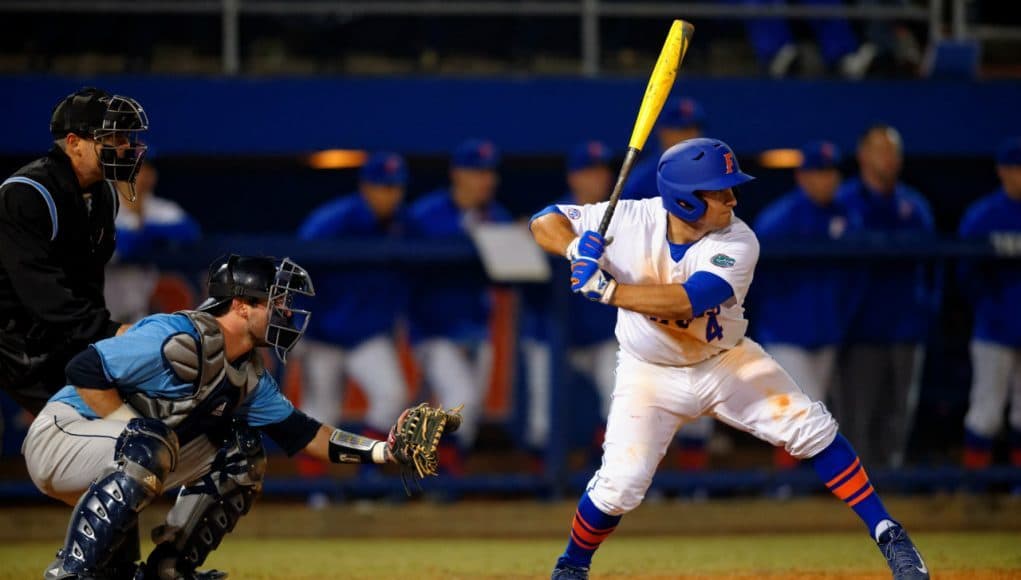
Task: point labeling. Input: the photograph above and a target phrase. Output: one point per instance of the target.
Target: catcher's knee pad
(104, 523)
(808, 435)
(208, 509)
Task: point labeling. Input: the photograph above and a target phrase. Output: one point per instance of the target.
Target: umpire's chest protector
(219, 386)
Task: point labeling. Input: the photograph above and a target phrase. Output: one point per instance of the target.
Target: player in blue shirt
(803, 308)
(592, 346)
(449, 310)
(179, 399)
(682, 118)
(994, 289)
(352, 332)
(145, 224)
(881, 368)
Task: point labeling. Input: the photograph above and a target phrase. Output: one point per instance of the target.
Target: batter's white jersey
(640, 254)
(670, 373)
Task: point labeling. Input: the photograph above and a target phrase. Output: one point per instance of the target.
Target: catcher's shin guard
(102, 536)
(208, 509)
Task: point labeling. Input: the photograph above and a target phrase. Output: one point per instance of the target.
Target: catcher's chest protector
(219, 386)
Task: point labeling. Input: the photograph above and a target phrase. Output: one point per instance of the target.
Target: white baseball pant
(743, 387)
(996, 378)
(373, 363)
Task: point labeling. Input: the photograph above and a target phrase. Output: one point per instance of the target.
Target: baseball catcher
(182, 400)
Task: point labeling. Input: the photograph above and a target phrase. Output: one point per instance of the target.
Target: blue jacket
(163, 224)
(993, 287)
(898, 302)
(807, 304)
(453, 304)
(353, 305)
(641, 184)
(590, 322)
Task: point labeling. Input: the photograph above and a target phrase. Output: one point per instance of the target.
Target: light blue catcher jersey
(134, 362)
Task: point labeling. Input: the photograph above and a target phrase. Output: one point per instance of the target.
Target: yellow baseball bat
(660, 83)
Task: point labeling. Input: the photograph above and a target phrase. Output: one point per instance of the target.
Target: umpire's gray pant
(876, 398)
(65, 452)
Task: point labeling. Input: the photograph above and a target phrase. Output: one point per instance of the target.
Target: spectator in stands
(880, 370)
(682, 118)
(778, 52)
(994, 288)
(449, 311)
(146, 224)
(888, 48)
(592, 346)
(823, 296)
(352, 334)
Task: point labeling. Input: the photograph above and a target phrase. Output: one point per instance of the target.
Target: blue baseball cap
(820, 155)
(588, 154)
(476, 154)
(681, 113)
(1009, 152)
(385, 169)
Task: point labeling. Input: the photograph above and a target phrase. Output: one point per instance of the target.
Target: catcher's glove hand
(414, 439)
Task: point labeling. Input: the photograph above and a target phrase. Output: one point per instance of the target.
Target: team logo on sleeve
(722, 261)
(573, 213)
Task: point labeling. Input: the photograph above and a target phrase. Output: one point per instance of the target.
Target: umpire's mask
(125, 121)
(113, 121)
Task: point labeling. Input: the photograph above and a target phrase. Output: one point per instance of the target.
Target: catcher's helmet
(263, 278)
(696, 165)
(93, 114)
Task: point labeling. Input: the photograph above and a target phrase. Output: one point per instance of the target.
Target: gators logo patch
(722, 260)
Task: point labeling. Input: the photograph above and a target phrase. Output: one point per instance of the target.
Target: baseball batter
(678, 269)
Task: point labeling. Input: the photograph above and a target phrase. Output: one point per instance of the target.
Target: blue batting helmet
(696, 165)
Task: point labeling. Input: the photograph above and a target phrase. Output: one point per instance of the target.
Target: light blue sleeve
(265, 405)
(135, 358)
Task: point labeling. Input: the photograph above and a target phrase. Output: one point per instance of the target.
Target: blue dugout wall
(527, 116)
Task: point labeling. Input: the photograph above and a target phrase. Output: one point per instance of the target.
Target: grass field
(979, 556)
(961, 537)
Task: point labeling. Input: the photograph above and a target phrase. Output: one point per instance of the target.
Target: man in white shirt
(678, 271)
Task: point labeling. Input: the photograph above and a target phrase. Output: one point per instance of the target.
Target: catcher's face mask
(286, 323)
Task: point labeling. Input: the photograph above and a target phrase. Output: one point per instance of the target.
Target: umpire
(56, 235)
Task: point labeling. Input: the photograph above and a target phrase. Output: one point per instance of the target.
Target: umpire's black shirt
(55, 240)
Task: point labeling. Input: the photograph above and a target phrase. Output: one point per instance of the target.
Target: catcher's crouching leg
(208, 509)
(102, 537)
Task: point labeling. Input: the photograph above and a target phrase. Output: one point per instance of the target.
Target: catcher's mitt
(414, 439)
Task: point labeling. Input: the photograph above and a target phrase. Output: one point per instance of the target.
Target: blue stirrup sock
(588, 529)
(839, 467)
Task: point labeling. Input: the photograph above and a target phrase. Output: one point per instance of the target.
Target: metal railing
(589, 13)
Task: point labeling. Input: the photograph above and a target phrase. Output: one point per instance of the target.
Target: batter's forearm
(553, 233)
(666, 301)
